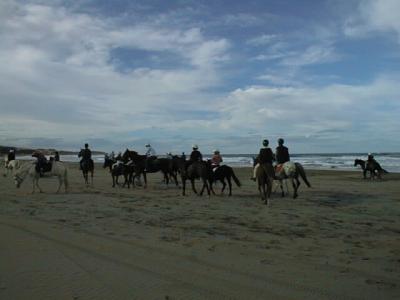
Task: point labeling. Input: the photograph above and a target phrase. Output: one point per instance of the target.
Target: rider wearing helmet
(150, 152)
(216, 159)
(151, 157)
(265, 159)
(196, 154)
(282, 152)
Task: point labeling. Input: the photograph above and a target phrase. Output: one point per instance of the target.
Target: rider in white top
(150, 151)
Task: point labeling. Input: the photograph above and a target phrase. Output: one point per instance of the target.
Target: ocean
(325, 161)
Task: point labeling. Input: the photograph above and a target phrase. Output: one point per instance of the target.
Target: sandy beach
(339, 240)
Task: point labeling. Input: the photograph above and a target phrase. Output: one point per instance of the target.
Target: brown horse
(372, 166)
(221, 174)
(265, 177)
(196, 170)
(87, 166)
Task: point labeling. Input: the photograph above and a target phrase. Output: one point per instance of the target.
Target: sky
(322, 74)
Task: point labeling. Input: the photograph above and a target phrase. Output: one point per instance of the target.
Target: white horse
(292, 171)
(58, 169)
(10, 166)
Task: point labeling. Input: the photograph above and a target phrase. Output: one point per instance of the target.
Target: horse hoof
(295, 196)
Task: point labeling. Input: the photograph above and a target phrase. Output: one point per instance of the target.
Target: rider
(41, 162)
(281, 154)
(56, 156)
(11, 155)
(195, 156)
(86, 154)
(265, 159)
(216, 159)
(151, 156)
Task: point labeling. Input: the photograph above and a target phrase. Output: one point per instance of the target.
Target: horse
(143, 165)
(220, 174)
(196, 170)
(10, 166)
(118, 170)
(372, 166)
(265, 177)
(86, 166)
(58, 169)
(289, 170)
(292, 171)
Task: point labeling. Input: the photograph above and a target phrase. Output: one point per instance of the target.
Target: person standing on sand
(265, 159)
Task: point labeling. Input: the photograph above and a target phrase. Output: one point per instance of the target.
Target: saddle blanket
(278, 168)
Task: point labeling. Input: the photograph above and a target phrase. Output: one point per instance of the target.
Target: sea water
(324, 161)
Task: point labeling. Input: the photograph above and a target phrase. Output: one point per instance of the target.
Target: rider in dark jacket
(41, 162)
(86, 155)
(282, 152)
(265, 159)
(11, 155)
(196, 154)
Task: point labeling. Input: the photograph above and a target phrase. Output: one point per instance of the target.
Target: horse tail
(302, 174)
(235, 178)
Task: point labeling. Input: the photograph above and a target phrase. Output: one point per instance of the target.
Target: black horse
(372, 166)
(223, 173)
(87, 166)
(196, 170)
(142, 165)
(119, 170)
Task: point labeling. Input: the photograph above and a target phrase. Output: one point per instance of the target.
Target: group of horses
(133, 166)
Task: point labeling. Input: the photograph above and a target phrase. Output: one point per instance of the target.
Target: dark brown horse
(119, 170)
(221, 174)
(143, 165)
(87, 166)
(373, 167)
(195, 170)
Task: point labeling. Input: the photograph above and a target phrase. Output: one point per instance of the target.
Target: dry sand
(338, 240)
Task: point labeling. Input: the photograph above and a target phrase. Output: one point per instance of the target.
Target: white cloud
(374, 16)
(56, 76)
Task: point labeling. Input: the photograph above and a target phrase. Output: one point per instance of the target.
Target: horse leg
(113, 179)
(145, 179)
(294, 188)
(365, 173)
(211, 186)
(37, 184)
(91, 177)
(193, 186)
(183, 185)
(59, 184)
(281, 185)
(223, 186)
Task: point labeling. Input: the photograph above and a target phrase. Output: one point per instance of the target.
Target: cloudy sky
(325, 75)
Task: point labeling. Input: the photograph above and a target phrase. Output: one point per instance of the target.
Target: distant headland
(45, 151)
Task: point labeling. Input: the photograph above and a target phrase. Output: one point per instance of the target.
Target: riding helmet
(265, 143)
(281, 141)
(195, 147)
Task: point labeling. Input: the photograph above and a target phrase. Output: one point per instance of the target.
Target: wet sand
(340, 239)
